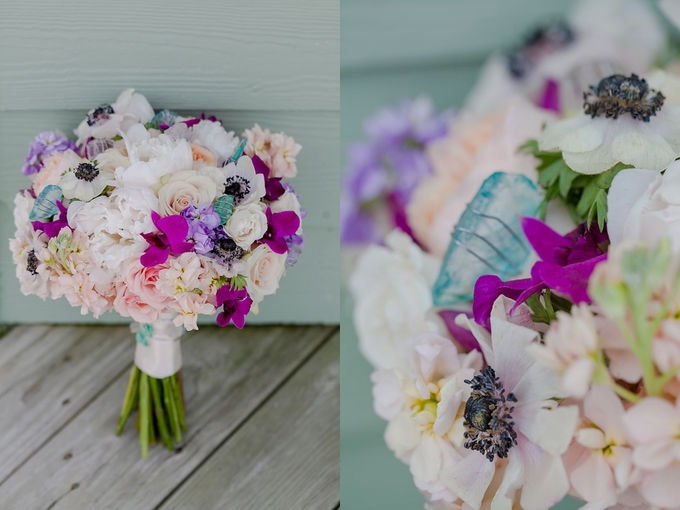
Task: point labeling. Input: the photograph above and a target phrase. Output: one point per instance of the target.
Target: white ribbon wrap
(162, 357)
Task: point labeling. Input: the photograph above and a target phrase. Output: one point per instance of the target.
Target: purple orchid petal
(154, 255)
(273, 187)
(52, 228)
(571, 280)
(398, 209)
(464, 337)
(545, 241)
(236, 303)
(488, 288)
(286, 223)
(550, 99)
(191, 122)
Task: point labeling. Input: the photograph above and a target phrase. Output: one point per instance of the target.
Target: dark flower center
(617, 95)
(539, 43)
(227, 250)
(87, 172)
(488, 418)
(32, 262)
(99, 114)
(237, 186)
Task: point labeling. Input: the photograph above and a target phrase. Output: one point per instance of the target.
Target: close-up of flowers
(554, 194)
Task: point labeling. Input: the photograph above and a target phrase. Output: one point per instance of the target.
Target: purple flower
(52, 228)
(170, 239)
(42, 147)
(463, 336)
(295, 242)
(202, 220)
(279, 226)
(236, 303)
(384, 171)
(565, 266)
(274, 188)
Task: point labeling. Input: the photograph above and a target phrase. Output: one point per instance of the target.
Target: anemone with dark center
(617, 95)
(226, 250)
(32, 263)
(87, 171)
(238, 187)
(543, 41)
(488, 416)
(99, 114)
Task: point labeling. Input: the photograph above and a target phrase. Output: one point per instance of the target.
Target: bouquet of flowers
(160, 218)
(527, 346)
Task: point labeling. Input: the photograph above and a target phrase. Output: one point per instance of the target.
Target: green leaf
(238, 282)
(531, 146)
(538, 311)
(567, 176)
(549, 175)
(587, 199)
(601, 204)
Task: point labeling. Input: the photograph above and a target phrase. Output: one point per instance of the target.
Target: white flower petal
(552, 429)
(661, 488)
(545, 480)
(626, 189)
(654, 456)
(584, 139)
(469, 478)
(401, 435)
(642, 150)
(552, 136)
(426, 459)
(594, 480)
(592, 162)
(447, 408)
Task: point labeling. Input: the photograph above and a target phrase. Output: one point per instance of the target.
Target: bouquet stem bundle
(161, 409)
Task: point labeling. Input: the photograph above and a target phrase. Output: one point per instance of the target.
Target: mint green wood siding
(393, 49)
(266, 61)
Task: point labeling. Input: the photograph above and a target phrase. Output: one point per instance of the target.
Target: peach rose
(264, 270)
(202, 156)
(138, 295)
(182, 188)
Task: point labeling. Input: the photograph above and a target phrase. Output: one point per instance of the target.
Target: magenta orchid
(274, 188)
(170, 239)
(236, 303)
(280, 225)
(52, 228)
(565, 266)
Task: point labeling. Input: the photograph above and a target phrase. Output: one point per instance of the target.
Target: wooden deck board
(286, 455)
(76, 462)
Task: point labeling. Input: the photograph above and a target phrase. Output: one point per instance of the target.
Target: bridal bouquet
(160, 218)
(526, 339)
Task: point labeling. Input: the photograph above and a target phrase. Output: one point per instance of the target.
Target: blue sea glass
(224, 207)
(238, 152)
(488, 238)
(167, 117)
(45, 205)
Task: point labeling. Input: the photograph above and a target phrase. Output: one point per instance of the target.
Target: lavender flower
(202, 220)
(390, 164)
(42, 147)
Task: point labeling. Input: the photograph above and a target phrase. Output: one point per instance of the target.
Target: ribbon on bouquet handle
(158, 352)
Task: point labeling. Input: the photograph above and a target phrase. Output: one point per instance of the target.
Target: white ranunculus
(264, 269)
(184, 188)
(208, 134)
(391, 286)
(247, 224)
(645, 206)
(288, 202)
(112, 159)
(152, 159)
(106, 121)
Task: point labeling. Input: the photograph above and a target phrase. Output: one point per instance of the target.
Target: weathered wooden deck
(262, 412)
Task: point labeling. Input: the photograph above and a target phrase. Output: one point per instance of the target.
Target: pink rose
(138, 296)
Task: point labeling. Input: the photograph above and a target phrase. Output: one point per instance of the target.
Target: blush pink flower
(138, 293)
(284, 153)
(653, 425)
(599, 461)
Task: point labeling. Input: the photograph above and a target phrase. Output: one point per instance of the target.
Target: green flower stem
(145, 414)
(179, 399)
(131, 399)
(170, 404)
(160, 413)
(624, 393)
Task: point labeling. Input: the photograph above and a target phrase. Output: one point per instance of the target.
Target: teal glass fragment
(488, 238)
(224, 206)
(167, 117)
(45, 205)
(145, 332)
(238, 152)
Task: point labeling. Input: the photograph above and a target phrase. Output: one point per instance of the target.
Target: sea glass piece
(224, 206)
(144, 333)
(488, 238)
(167, 117)
(238, 152)
(45, 205)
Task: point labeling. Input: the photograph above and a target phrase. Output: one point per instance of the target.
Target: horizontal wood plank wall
(274, 63)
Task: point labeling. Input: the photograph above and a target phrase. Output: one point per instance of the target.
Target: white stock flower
(247, 224)
(391, 287)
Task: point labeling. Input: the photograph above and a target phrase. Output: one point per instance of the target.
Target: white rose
(182, 188)
(264, 270)
(391, 288)
(644, 205)
(288, 202)
(247, 224)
